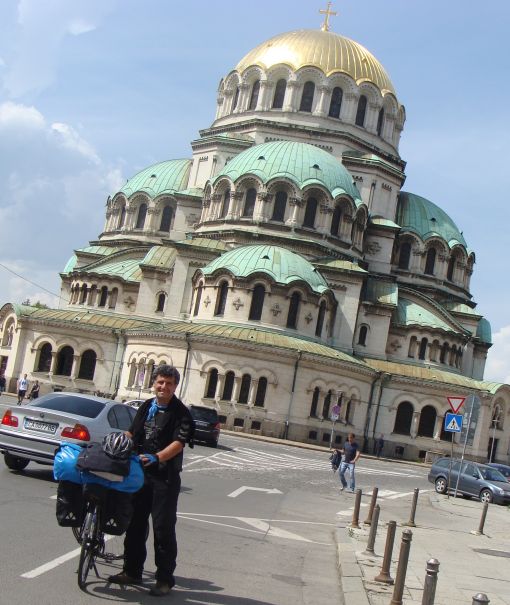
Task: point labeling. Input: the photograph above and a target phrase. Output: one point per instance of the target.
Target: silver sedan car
(34, 431)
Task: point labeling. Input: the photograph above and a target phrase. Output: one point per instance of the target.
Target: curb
(351, 575)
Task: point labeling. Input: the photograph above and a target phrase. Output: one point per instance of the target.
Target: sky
(92, 91)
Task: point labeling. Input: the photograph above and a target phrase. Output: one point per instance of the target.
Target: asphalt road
(256, 527)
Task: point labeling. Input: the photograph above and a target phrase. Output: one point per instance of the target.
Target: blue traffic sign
(453, 422)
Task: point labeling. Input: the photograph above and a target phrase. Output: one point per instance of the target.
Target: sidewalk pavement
(469, 564)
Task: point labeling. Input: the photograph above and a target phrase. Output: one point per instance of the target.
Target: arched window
(280, 204)
(307, 97)
(362, 337)
(244, 391)
(92, 295)
(335, 221)
(310, 212)
(64, 361)
(132, 374)
(83, 296)
(327, 405)
(404, 256)
(254, 95)
(380, 121)
(104, 297)
(122, 217)
(257, 302)
(228, 387)
(140, 219)
(166, 219)
(44, 362)
(443, 356)
(320, 319)
(403, 418)
(249, 203)
(427, 422)
(361, 111)
(497, 417)
(221, 298)
(160, 304)
(224, 204)
(336, 102)
(292, 316)
(113, 298)
(315, 402)
(236, 98)
(260, 396)
(445, 435)
(279, 94)
(423, 348)
(348, 412)
(212, 383)
(430, 262)
(87, 365)
(197, 300)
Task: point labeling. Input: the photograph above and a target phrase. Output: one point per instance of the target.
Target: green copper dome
(419, 215)
(484, 331)
(166, 177)
(280, 264)
(303, 164)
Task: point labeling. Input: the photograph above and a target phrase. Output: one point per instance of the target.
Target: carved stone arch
(319, 383)
(241, 370)
(279, 72)
(438, 243)
(312, 74)
(250, 75)
(371, 92)
(119, 200)
(43, 339)
(213, 363)
(164, 200)
(361, 216)
(68, 342)
(319, 192)
(404, 397)
(268, 374)
(283, 184)
(301, 288)
(232, 81)
(346, 204)
(262, 279)
(345, 82)
(390, 104)
(248, 181)
(97, 348)
(222, 185)
(138, 198)
(207, 190)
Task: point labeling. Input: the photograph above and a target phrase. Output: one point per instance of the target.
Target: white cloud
(72, 140)
(498, 360)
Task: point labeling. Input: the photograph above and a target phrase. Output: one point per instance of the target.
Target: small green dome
(303, 164)
(484, 331)
(280, 264)
(419, 215)
(166, 177)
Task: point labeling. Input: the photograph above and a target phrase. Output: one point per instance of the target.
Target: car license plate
(40, 426)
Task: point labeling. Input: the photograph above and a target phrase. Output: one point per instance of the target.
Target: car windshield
(491, 474)
(204, 414)
(79, 406)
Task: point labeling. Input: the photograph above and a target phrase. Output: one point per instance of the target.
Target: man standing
(379, 445)
(34, 391)
(159, 431)
(22, 388)
(3, 382)
(351, 455)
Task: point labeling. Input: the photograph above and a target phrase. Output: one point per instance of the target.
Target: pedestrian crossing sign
(453, 422)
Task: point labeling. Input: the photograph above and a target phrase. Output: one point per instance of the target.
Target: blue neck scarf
(155, 408)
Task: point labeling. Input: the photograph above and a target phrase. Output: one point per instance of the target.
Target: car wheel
(15, 463)
(486, 496)
(441, 485)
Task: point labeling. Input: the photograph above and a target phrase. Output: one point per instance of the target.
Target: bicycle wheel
(88, 546)
(77, 533)
(113, 548)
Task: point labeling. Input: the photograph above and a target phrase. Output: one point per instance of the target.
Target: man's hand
(148, 459)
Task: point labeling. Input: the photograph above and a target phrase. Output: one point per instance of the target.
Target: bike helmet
(117, 445)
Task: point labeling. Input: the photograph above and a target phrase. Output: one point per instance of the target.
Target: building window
(403, 418)
(44, 363)
(221, 298)
(64, 361)
(336, 102)
(239, 422)
(260, 395)
(256, 425)
(104, 297)
(423, 348)
(348, 412)
(197, 300)
(160, 305)
(122, 217)
(244, 391)
(310, 212)
(380, 121)
(140, 219)
(315, 403)
(249, 203)
(327, 405)
(236, 98)
(335, 221)
(320, 319)
(280, 204)
(312, 435)
(292, 316)
(404, 256)
(279, 94)
(254, 95)
(361, 111)
(224, 204)
(362, 337)
(83, 297)
(87, 365)
(430, 262)
(427, 422)
(166, 219)
(444, 353)
(212, 383)
(113, 298)
(228, 387)
(307, 97)
(257, 302)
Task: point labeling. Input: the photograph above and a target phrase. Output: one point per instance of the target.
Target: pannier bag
(70, 504)
(116, 507)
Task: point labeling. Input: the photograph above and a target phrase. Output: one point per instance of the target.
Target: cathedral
(284, 269)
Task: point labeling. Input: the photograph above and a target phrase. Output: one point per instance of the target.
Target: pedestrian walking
(379, 445)
(34, 391)
(22, 388)
(351, 455)
(3, 383)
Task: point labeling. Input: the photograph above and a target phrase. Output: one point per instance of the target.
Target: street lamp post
(495, 422)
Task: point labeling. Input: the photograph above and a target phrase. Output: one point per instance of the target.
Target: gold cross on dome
(328, 13)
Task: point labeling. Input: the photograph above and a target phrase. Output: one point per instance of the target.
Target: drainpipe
(119, 354)
(296, 364)
(384, 379)
(185, 368)
(369, 410)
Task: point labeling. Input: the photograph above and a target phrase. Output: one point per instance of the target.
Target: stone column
(324, 218)
(265, 95)
(53, 364)
(438, 426)
(244, 97)
(234, 207)
(289, 103)
(228, 97)
(74, 367)
(236, 389)
(295, 204)
(349, 107)
(253, 391)
(414, 424)
(321, 109)
(219, 387)
(371, 117)
(220, 103)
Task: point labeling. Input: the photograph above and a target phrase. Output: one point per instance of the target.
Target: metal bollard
(355, 512)
(373, 531)
(481, 599)
(429, 587)
(384, 574)
(373, 501)
(411, 522)
(405, 547)
(479, 531)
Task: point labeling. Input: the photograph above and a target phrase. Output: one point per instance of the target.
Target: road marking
(273, 531)
(349, 511)
(404, 494)
(245, 488)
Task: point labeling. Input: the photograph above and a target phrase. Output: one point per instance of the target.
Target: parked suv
(475, 480)
(207, 424)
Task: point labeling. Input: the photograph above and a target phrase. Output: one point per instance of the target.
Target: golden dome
(325, 50)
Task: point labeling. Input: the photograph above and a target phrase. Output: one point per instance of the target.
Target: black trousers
(158, 497)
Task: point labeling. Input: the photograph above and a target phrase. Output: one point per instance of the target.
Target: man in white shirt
(22, 388)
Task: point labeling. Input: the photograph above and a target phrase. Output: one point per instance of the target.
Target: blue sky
(91, 91)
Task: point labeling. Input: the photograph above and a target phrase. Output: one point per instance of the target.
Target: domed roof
(280, 264)
(325, 50)
(303, 164)
(484, 331)
(166, 177)
(419, 215)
